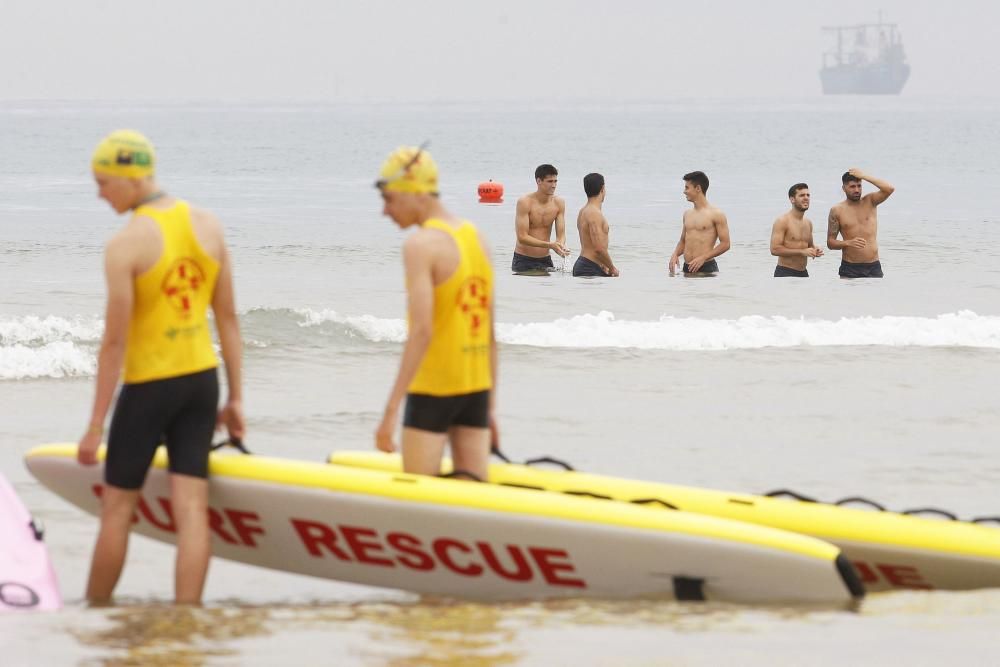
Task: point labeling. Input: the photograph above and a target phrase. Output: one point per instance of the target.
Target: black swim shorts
(181, 410)
(711, 266)
(861, 269)
(785, 272)
(438, 413)
(585, 268)
(524, 264)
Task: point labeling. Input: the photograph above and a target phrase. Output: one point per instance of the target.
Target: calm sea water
(881, 388)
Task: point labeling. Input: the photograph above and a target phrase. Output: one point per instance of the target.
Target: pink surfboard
(27, 580)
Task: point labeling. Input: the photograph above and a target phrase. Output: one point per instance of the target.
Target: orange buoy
(490, 192)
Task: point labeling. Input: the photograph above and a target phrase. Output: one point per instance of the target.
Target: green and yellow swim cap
(409, 169)
(124, 153)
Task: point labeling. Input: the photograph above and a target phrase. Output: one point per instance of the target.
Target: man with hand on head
(856, 220)
(163, 269)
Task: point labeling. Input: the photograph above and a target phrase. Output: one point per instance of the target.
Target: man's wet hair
(593, 184)
(848, 178)
(544, 171)
(698, 178)
(792, 191)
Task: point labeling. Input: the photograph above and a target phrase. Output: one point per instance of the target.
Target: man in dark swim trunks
(704, 233)
(594, 260)
(163, 270)
(536, 214)
(856, 220)
(792, 236)
(448, 367)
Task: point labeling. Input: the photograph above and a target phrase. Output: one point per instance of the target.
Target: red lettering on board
(868, 575)
(523, 571)
(315, 535)
(216, 523)
(900, 576)
(354, 538)
(544, 558)
(903, 576)
(369, 547)
(442, 545)
(243, 528)
(409, 546)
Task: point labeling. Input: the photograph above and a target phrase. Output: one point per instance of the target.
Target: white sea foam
(55, 347)
(369, 327)
(54, 360)
(34, 330)
(603, 330)
(33, 347)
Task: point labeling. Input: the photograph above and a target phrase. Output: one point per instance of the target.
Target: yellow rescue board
(889, 550)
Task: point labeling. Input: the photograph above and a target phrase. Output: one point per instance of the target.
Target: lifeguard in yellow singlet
(457, 361)
(448, 369)
(164, 269)
(169, 335)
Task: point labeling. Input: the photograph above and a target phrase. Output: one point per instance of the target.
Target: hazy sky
(329, 50)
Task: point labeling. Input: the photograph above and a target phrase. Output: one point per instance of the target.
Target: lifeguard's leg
(189, 500)
(422, 451)
(117, 509)
(470, 450)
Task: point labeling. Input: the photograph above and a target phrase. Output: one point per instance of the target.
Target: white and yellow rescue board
(890, 551)
(461, 539)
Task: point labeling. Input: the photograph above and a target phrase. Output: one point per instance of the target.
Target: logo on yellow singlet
(181, 283)
(473, 301)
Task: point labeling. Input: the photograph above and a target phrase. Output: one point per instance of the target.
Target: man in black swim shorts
(163, 270)
(704, 231)
(594, 260)
(856, 220)
(537, 213)
(792, 236)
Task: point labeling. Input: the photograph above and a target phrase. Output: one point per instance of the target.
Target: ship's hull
(869, 80)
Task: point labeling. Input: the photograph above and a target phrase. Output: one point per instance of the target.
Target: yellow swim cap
(409, 169)
(124, 153)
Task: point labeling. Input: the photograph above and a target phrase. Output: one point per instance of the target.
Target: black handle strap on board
(859, 500)
(495, 450)
(235, 443)
(461, 474)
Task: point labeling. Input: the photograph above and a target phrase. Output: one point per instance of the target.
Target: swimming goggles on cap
(401, 172)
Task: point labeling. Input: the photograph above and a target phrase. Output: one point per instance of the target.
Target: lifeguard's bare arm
(227, 323)
(110, 358)
(417, 260)
(420, 313)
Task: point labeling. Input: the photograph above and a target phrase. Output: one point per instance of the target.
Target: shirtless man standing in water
(792, 236)
(705, 233)
(856, 220)
(536, 213)
(594, 259)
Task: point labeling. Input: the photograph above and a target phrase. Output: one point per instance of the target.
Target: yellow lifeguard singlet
(457, 360)
(169, 335)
